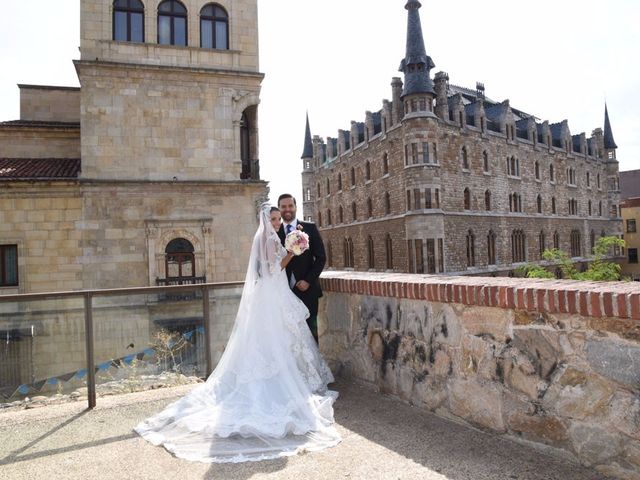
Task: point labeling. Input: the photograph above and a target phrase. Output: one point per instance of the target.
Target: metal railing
(89, 295)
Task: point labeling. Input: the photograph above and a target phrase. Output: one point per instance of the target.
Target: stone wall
(39, 142)
(552, 362)
(49, 104)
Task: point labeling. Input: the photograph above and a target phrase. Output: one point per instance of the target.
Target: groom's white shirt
(294, 225)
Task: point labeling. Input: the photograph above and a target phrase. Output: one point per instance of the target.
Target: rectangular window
(206, 34)
(408, 200)
(120, 26)
(406, 154)
(425, 153)
(180, 31)
(164, 30)
(221, 35)
(8, 265)
(412, 268)
(417, 201)
(414, 154)
(137, 27)
(633, 255)
(431, 256)
(434, 154)
(436, 203)
(419, 257)
(631, 225)
(427, 198)
(440, 255)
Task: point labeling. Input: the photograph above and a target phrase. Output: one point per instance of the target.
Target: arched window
(539, 203)
(589, 207)
(600, 208)
(370, 253)
(318, 185)
(491, 248)
(485, 162)
(329, 221)
(553, 205)
(487, 200)
(339, 182)
(556, 240)
(387, 203)
(369, 208)
(367, 170)
(542, 242)
(128, 21)
(354, 211)
(307, 194)
(518, 251)
(575, 243)
(389, 250)
(467, 199)
(471, 249)
(328, 187)
(179, 259)
(537, 170)
(172, 23)
(465, 158)
(353, 176)
(320, 219)
(214, 27)
(385, 164)
(340, 214)
(552, 176)
(592, 240)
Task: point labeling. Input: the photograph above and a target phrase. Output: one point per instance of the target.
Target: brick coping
(589, 299)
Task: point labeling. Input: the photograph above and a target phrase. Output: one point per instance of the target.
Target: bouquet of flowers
(297, 242)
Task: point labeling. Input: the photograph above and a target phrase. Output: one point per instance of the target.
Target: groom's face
(287, 209)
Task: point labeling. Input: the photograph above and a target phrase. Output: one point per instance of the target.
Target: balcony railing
(203, 290)
(178, 296)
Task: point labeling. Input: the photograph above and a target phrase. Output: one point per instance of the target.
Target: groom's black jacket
(308, 266)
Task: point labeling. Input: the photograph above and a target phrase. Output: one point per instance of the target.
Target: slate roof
(307, 151)
(39, 168)
(609, 142)
(629, 184)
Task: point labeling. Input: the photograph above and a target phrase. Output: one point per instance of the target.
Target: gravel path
(383, 439)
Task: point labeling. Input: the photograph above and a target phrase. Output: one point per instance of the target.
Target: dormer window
(172, 23)
(214, 27)
(128, 21)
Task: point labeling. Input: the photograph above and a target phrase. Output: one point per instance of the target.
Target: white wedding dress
(268, 395)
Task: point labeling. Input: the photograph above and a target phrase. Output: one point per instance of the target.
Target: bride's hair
(274, 209)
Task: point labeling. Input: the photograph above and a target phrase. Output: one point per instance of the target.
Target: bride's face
(275, 220)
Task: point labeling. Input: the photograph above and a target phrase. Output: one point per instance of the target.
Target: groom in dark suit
(303, 271)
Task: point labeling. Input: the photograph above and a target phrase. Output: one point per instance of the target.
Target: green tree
(599, 269)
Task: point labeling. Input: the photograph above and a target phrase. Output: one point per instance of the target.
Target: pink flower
(297, 242)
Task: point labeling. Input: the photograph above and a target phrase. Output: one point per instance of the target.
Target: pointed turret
(609, 142)
(307, 152)
(416, 63)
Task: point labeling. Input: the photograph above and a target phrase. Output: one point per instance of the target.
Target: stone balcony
(552, 362)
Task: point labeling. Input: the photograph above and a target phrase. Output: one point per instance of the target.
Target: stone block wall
(552, 362)
(49, 104)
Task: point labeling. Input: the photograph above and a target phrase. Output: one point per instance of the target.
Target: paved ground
(383, 439)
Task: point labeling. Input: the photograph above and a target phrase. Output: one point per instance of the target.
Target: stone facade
(166, 141)
(441, 173)
(631, 221)
(549, 362)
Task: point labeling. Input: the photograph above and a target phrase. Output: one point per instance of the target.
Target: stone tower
(307, 174)
(162, 97)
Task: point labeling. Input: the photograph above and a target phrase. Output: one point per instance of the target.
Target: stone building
(147, 174)
(444, 179)
(630, 203)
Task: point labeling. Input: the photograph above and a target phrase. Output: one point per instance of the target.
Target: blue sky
(336, 58)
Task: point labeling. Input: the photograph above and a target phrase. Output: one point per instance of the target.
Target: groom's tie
(289, 227)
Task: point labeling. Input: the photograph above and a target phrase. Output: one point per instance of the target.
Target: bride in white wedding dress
(268, 395)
